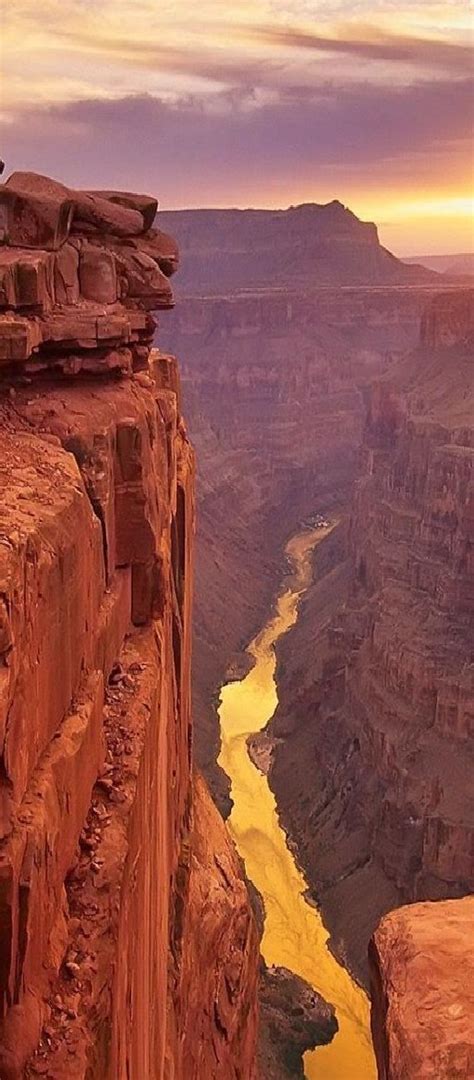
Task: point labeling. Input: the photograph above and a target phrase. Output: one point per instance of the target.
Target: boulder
(34, 216)
(422, 980)
(146, 205)
(41, 212)
(98, 275)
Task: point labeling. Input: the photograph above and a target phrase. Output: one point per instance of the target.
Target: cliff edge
(115, 876)
(422, 979)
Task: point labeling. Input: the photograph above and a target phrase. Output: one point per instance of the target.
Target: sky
(252, 103)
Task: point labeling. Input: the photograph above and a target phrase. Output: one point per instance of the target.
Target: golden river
(294, 933)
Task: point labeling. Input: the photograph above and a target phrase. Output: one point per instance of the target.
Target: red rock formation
(105, 853)
(422, 976)
(374, 774)
(215, 994)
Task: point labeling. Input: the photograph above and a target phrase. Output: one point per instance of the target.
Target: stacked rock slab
(79, 274)
(99, 823)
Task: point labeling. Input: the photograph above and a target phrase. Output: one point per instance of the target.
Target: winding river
(294, 933)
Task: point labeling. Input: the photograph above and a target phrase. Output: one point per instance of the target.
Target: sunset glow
(265, 103)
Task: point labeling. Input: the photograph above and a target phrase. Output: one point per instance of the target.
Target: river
(294, 933)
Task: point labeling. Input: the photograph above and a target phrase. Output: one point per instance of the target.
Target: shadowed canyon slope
(275, 383)
(127, 943)
(373, 772)
(371, 766)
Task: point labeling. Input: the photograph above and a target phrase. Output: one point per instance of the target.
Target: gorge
(278, 381)
(383, 721)
(130, 934)
(294, 934)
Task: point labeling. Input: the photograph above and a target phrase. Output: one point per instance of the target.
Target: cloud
(80, 49)
(236, 148)
(370, 43)
(221, 58)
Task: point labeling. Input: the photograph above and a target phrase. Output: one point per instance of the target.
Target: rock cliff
(117, 880)
(422, 976)
(373, 770)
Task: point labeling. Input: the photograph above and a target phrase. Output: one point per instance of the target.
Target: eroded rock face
(80, 274)
(215, 993)
(99, 905)
(422, 979)
(374, 772)
(275, 383)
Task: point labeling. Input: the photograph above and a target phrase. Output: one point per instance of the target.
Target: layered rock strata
(373, 771)
(422, 979)
(310, 244)
(275, 384)
(109, 851)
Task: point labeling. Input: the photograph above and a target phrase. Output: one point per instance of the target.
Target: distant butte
(309, 244)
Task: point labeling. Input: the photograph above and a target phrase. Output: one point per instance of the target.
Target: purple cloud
(191, 154)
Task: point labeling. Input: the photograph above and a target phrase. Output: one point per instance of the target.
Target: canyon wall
(374, 750)
(119, 887)
(275, 386)
(306, 245)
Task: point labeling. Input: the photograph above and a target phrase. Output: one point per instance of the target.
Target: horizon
(454, 252)
(263, 103)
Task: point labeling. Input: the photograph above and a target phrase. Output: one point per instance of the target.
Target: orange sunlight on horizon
(256, 103)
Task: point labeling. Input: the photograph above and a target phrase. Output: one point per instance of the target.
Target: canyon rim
(236, 541)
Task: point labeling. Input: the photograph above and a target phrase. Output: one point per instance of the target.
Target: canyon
(275, 382)
(373, 769)
(371, 745)
(129, 933)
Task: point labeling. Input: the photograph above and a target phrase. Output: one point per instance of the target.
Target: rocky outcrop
(107, 856)
(215, 994)
(293, 1019)
(422, 977)
(376, 682)
(305, 245)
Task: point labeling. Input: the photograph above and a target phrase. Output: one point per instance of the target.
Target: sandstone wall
(374, 772)
(107, 856)
(422, 978)
(275, 384)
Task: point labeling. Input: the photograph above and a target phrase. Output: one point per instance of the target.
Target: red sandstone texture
(106, 856)
(218, 977)
(422, 977)
(374, 770)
